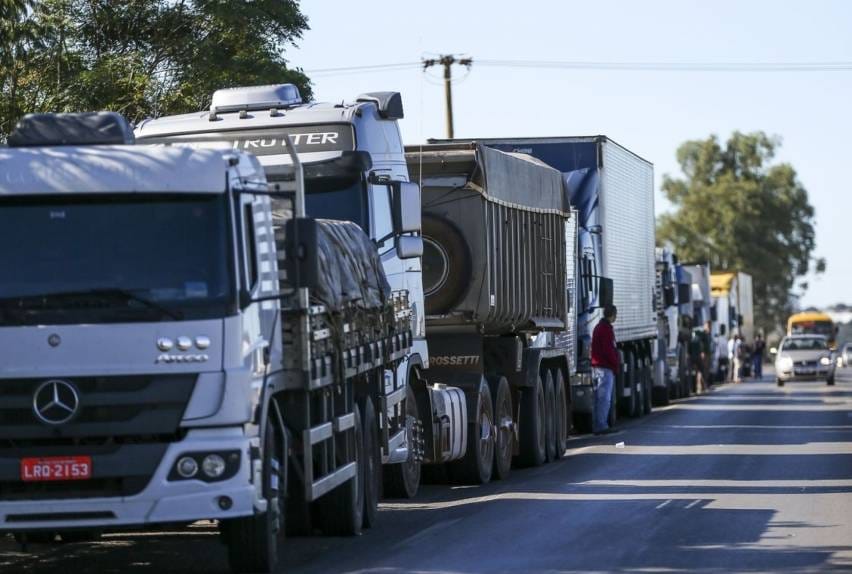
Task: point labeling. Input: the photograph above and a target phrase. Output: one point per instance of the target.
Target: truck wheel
(550, 415)
(532, 433)
(254, 541)
(623, 403)
(504, 428)
(563, 413)
(637, 386)
(830, 381)
(779, 382)
(403, 480)
(648, 387)
(372, 464)
(342, 510)
(478, 460)
(446, 265)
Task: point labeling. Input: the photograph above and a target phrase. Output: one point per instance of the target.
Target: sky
(650, 112)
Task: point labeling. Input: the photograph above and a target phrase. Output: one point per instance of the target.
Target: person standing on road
(757, 357)
(605, 365)
(734, 350)
(720, 357)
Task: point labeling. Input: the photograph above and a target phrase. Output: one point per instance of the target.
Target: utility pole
(447, 61)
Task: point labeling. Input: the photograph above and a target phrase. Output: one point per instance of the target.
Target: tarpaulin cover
(350, 267)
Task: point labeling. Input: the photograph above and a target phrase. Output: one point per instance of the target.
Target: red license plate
(56, 468)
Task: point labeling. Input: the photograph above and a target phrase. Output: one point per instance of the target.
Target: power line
(813, 66)
(366, 68)
(674, 66)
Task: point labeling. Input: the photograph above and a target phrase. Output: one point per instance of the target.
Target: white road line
(661, 505)
(693, 503)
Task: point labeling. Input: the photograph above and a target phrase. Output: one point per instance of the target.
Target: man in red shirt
(605, 364)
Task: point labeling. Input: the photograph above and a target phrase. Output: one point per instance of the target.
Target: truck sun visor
(91, 128)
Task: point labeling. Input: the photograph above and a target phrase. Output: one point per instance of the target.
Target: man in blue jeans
(605, 365)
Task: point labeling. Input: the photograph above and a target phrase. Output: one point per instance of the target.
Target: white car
(844, 357)
(803, 357)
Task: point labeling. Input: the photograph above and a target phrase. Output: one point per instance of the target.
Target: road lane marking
(663, 504)
(693, 503)
(810, 448)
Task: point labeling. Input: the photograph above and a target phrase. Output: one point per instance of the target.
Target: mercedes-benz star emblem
(54, 340)
(55, 402)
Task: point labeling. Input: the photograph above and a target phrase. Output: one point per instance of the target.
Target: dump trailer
(181, 343)
(354, 169)
(612, 190)
(674, 290)
(498, 277)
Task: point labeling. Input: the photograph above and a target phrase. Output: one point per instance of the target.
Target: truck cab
(354, 170)
(351, 153)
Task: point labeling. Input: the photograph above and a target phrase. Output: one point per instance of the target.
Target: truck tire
(563, 413)
(403, 480)
(478, 461)
(830, 381)
(341, 511)
(372, 464)
(532, 432)
(637, 386)
(254, 542)
(446, 265)
(504, 428)
(550, 415)
(648, 388)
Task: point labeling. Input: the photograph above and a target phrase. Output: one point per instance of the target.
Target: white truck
(181, 342)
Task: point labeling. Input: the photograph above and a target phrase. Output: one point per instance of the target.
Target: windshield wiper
(102, 293)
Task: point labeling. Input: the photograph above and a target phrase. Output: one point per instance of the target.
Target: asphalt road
(748, 478)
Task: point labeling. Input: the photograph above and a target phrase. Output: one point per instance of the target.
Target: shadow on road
(748, 478)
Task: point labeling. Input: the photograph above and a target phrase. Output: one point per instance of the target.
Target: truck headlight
(206, 466)
(825, 361)
(213, 465)
(785, 363)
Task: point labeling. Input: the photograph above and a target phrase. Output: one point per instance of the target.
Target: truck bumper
(161, 501)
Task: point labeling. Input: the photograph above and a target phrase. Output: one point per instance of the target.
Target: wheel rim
(504, 428)
(542, 423)
(411, 468)
(486, 435)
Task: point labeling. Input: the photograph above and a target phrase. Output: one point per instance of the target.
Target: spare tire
(446, 265)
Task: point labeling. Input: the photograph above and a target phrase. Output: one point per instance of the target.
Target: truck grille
(124, 409)
(123, 423)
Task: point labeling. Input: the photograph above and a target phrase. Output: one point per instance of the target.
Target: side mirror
(684, 293)
(669, 296)
(773, 350)
(409, 247)
(406, 208)
(606, 291)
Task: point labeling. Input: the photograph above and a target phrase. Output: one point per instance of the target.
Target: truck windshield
(337, 198)
(114, 258)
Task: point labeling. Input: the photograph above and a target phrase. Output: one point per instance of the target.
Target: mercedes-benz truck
(182, 342)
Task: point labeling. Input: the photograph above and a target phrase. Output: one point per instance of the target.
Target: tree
(140, 57)
(740, 213)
